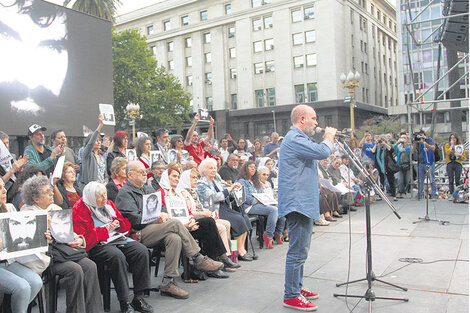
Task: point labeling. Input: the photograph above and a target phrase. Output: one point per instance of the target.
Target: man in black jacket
(229, 170)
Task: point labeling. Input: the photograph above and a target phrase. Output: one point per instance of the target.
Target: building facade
(250, 60)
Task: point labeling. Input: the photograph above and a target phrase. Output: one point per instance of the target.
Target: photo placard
(107, 110)
(155, 155)
(239, 194)
(22, 233)
(152, 207)
(61, 225)
(5, 155)
(265, 198)
(131, 155)
(176, 208)
(203, 115)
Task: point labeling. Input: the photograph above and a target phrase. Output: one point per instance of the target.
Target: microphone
(320, 130)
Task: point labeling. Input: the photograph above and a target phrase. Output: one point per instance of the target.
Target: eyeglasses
(194, 177)
(142, 172)
(251, 166)
(179, 140)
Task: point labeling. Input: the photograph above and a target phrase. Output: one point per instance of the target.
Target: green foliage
(139, 79)
(101, 8)
(381, 125)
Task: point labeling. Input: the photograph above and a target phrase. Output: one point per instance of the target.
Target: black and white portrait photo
(176, 207)
(131, 155)
(23, 233)
(152, 207)
(107, 110)
(61, 225)
(239, 195)
(155, 155)
(203, 115)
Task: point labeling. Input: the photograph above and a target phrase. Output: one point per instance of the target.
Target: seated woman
(248, 179)
(187, 186)
(269, 163)
(14, 194)
(208, 187)
(96, 218)
(265, 187)
(79, 278)
(68, 187)
(22, 283)
(118, 177)
(204, 229)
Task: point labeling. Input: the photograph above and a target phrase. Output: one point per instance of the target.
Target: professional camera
(418, 137)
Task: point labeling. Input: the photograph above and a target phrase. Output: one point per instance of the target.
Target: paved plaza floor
(439, 284)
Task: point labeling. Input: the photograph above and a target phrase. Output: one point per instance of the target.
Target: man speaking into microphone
(299, 195)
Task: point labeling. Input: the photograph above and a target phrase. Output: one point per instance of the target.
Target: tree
(102, 8)
(138, 78)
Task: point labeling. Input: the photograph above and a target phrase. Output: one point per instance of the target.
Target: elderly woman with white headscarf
(97, 219)
(203, 229)
(187, 186)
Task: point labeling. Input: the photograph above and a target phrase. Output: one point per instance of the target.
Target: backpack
(404, 163)
(437, 154)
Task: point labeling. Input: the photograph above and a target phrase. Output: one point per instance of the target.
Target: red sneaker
(308, 294)
(278, 238)
(300, 303)
(268, 242)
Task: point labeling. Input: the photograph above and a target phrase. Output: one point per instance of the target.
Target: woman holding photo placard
(93, 162)
(454, 153)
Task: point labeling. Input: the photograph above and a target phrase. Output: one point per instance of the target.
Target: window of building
(154, 50)
(298, 39)
(171, 65)
(208, 57)
(207, 37)
(311, 59)
(208, 78)
(259, 68)
(184, 20)
(296, 15)
(232, 52)
(189, 80)
(150, 30)
(170, 46)
(189, 61)
(259, 98)
(268, 22)
(209, 103)
(233, 73)
(308, 13)
(312, 92)
(299, 93)
(256, 3)
(385, 19)
(257, 46)
(365, 47)
(204, 15)
(270, 66)
(271, 92)
(228, 8)
(372, 9)
(188, 42)
(257, 24)
(234, 100)
(166, 25)
(231, 32)
(378, 15)
(263, 128)
(299, 61)
(269, 44)
(351, 14)
(310, 36)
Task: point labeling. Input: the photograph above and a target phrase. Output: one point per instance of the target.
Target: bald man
(298, 193)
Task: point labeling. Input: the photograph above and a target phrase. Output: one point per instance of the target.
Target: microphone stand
(369, 184)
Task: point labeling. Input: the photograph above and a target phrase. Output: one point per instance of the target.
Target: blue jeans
(272, 224)
(21, 282)
(421, 177)
(300, 232)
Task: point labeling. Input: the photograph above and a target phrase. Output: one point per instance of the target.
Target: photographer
(386, 164)
(454, 153)
(423, 152)
(402, 151)
(366, 144)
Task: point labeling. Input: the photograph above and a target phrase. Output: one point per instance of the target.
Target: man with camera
(423, 150)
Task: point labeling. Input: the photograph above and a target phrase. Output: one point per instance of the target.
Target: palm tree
(101, 8)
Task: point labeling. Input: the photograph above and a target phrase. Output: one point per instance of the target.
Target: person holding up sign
(454, 153)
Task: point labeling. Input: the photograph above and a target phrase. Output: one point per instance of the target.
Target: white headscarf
(89, 197)
(165, 184)
(263, 161)
(185, 181)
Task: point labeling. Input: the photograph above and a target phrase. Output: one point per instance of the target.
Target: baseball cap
(34, 128)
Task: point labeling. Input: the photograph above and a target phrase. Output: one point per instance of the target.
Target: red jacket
(83, 224)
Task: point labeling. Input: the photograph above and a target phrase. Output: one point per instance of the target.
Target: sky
(126, 6)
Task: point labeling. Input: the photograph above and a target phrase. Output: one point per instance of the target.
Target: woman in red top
(143, 146)
(97, 219)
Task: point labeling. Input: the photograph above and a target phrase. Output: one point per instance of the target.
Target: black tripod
(370, 276)
(426, 218)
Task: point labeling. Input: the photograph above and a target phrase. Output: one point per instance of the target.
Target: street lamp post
(132, 110)
(350, 82)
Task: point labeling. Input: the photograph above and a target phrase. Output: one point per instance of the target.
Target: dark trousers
(454, 171)
(328, 201)
(118, 258)
(209, 238)
(81, 283)
(391, 182)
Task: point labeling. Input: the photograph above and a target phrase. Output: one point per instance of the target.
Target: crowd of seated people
(105, 192)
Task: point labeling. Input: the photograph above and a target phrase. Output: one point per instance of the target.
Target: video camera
(418, 137)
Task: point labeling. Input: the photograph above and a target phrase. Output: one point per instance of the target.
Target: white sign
(58, 168)
(107, 110)
(5, 155)
(177, 209)
(152, 207)
(335, 188)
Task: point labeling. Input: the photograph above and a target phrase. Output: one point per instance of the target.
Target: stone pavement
(439, 284)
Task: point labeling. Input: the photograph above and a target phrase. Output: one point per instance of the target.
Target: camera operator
(402, 150)
(454, 153)
(423, 152)
(383, 162)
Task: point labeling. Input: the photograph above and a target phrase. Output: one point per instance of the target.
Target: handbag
(62, 252)
(392, 165)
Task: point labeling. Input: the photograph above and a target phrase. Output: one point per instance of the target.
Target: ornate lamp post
(350, 82)
(132, 110)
